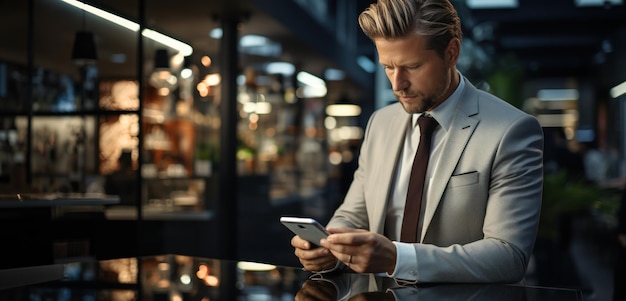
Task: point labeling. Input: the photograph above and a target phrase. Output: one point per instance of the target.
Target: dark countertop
(178, 277)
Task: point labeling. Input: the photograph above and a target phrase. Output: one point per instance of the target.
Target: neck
(455, 79)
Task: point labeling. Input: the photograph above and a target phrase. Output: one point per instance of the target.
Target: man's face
(420, 78)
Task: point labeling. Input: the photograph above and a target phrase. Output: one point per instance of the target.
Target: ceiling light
(312, 86)
(284, 68)
(183, 48)
(104, 15)
(557, 94)
(259, 45)
(597, 2)
(618, 90)
(491, 4)
(310, 79)
(252, 40)
(343, 108)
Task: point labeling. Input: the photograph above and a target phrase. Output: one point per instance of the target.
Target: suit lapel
(463, 125)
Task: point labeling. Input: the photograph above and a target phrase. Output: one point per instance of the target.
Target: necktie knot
(427, 124)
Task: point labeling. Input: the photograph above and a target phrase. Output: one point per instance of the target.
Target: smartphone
(307, 228)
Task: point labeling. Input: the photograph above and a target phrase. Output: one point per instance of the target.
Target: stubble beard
(425, 102)
(421, 106)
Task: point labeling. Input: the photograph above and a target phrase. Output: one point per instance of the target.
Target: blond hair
(391, 19)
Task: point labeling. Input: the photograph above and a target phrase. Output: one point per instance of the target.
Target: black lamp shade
(161, 60)
(84, 51)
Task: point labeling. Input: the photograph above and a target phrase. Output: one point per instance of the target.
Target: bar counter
(177, 277)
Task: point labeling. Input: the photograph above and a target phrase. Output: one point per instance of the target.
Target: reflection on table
(352, 286)
(176, 277)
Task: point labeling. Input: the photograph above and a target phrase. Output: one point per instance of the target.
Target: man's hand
(362, 251)
(312, 258)
(316, 290)
(622, 240)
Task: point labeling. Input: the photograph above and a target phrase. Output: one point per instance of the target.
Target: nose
(398, 80)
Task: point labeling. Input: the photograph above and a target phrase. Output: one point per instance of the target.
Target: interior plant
(564, 198)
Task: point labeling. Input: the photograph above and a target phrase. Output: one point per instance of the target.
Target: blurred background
(208, 120)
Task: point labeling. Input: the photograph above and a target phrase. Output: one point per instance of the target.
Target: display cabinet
(143, 119)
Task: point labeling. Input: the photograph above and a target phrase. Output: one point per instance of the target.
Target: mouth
(406, 98)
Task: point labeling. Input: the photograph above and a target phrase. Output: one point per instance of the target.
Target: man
(482, 194)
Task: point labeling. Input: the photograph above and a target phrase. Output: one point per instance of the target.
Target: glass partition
(13, 94)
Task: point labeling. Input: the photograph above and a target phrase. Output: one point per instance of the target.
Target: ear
(453, 51)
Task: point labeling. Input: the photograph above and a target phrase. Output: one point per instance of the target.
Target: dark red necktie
(414, 194)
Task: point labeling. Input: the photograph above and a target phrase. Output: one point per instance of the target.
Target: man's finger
(351, 238)
(343, 230)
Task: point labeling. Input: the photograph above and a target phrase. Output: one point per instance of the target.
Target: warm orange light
(206, 61)
(203, 89)
(211, 281)
(202, 272)
(213, 79)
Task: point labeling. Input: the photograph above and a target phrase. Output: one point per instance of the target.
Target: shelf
(55, 200)
(70, 113)
(130, 213)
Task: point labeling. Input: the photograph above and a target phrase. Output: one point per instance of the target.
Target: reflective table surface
(177, 278)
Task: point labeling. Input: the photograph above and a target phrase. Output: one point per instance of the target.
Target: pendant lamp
(162, 77)
(161, 60)
(84, 51)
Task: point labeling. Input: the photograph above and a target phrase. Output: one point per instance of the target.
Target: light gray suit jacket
(484, 200)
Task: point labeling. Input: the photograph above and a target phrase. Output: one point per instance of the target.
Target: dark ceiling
(546, 39)
(552, 38)
(549, 38)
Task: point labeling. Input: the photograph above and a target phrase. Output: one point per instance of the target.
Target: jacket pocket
(463, 179)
